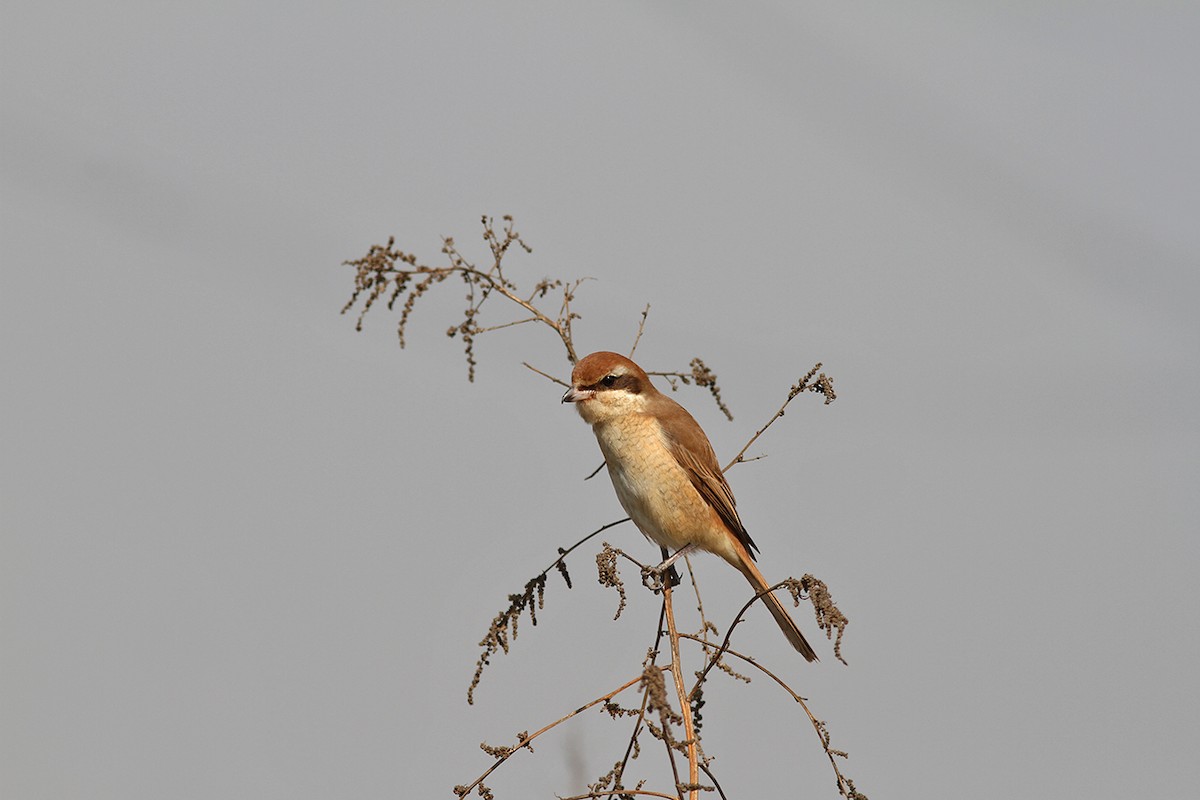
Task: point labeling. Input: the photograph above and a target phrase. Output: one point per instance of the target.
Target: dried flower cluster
(387, 272)
(504, 627)
(829, 617)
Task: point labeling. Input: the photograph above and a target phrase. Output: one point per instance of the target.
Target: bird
(665, 472)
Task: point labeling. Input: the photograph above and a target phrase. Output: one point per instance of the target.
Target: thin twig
(506, 325)
(741, 615)
(544, 375)
(795, 390)
(499, 634)
(641, 719)
(818, 726)
(564, 553)
(704, 623)
(716, 783)
(623, 793)
(524, 743)
(637, 727)
(641, 328)
(816, 723)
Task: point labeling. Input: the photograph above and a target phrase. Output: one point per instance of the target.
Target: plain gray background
(248, 553)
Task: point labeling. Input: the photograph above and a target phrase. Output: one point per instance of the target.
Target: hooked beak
(573, 395)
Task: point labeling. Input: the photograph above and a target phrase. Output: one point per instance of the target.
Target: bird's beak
(573, 395)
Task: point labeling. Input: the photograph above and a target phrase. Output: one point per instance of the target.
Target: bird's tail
(775, 606)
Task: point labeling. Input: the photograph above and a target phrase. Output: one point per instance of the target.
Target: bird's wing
(694, 453)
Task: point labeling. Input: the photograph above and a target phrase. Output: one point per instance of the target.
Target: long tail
(775, 606)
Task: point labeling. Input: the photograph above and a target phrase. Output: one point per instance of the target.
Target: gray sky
(248, 553)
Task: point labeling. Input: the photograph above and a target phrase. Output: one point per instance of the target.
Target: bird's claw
(652, 579)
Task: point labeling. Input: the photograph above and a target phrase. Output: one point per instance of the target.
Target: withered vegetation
(667, 707)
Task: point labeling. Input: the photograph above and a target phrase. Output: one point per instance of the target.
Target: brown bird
(665, 471)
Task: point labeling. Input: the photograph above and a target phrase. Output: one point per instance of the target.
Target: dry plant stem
(716, 783)
(666, 742)
(380, 276)
(564, 553)
(685, 707)
(797, 389)
(563, 329)
(641, 329)
(496, 638)
(705, 626)
(712, 661)
(637, 728)
(816, 723)
(504, 325)
(700, 375)
(526, 741)
(527, 365)
(641, 719)
(623, 793)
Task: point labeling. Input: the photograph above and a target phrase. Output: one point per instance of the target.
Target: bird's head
(607, 385)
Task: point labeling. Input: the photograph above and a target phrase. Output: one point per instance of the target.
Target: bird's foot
(656, 578)
(652, 577)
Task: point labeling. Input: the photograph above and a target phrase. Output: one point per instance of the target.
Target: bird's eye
(609, 380)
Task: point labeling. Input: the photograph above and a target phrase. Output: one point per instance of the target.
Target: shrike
(665, 472)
